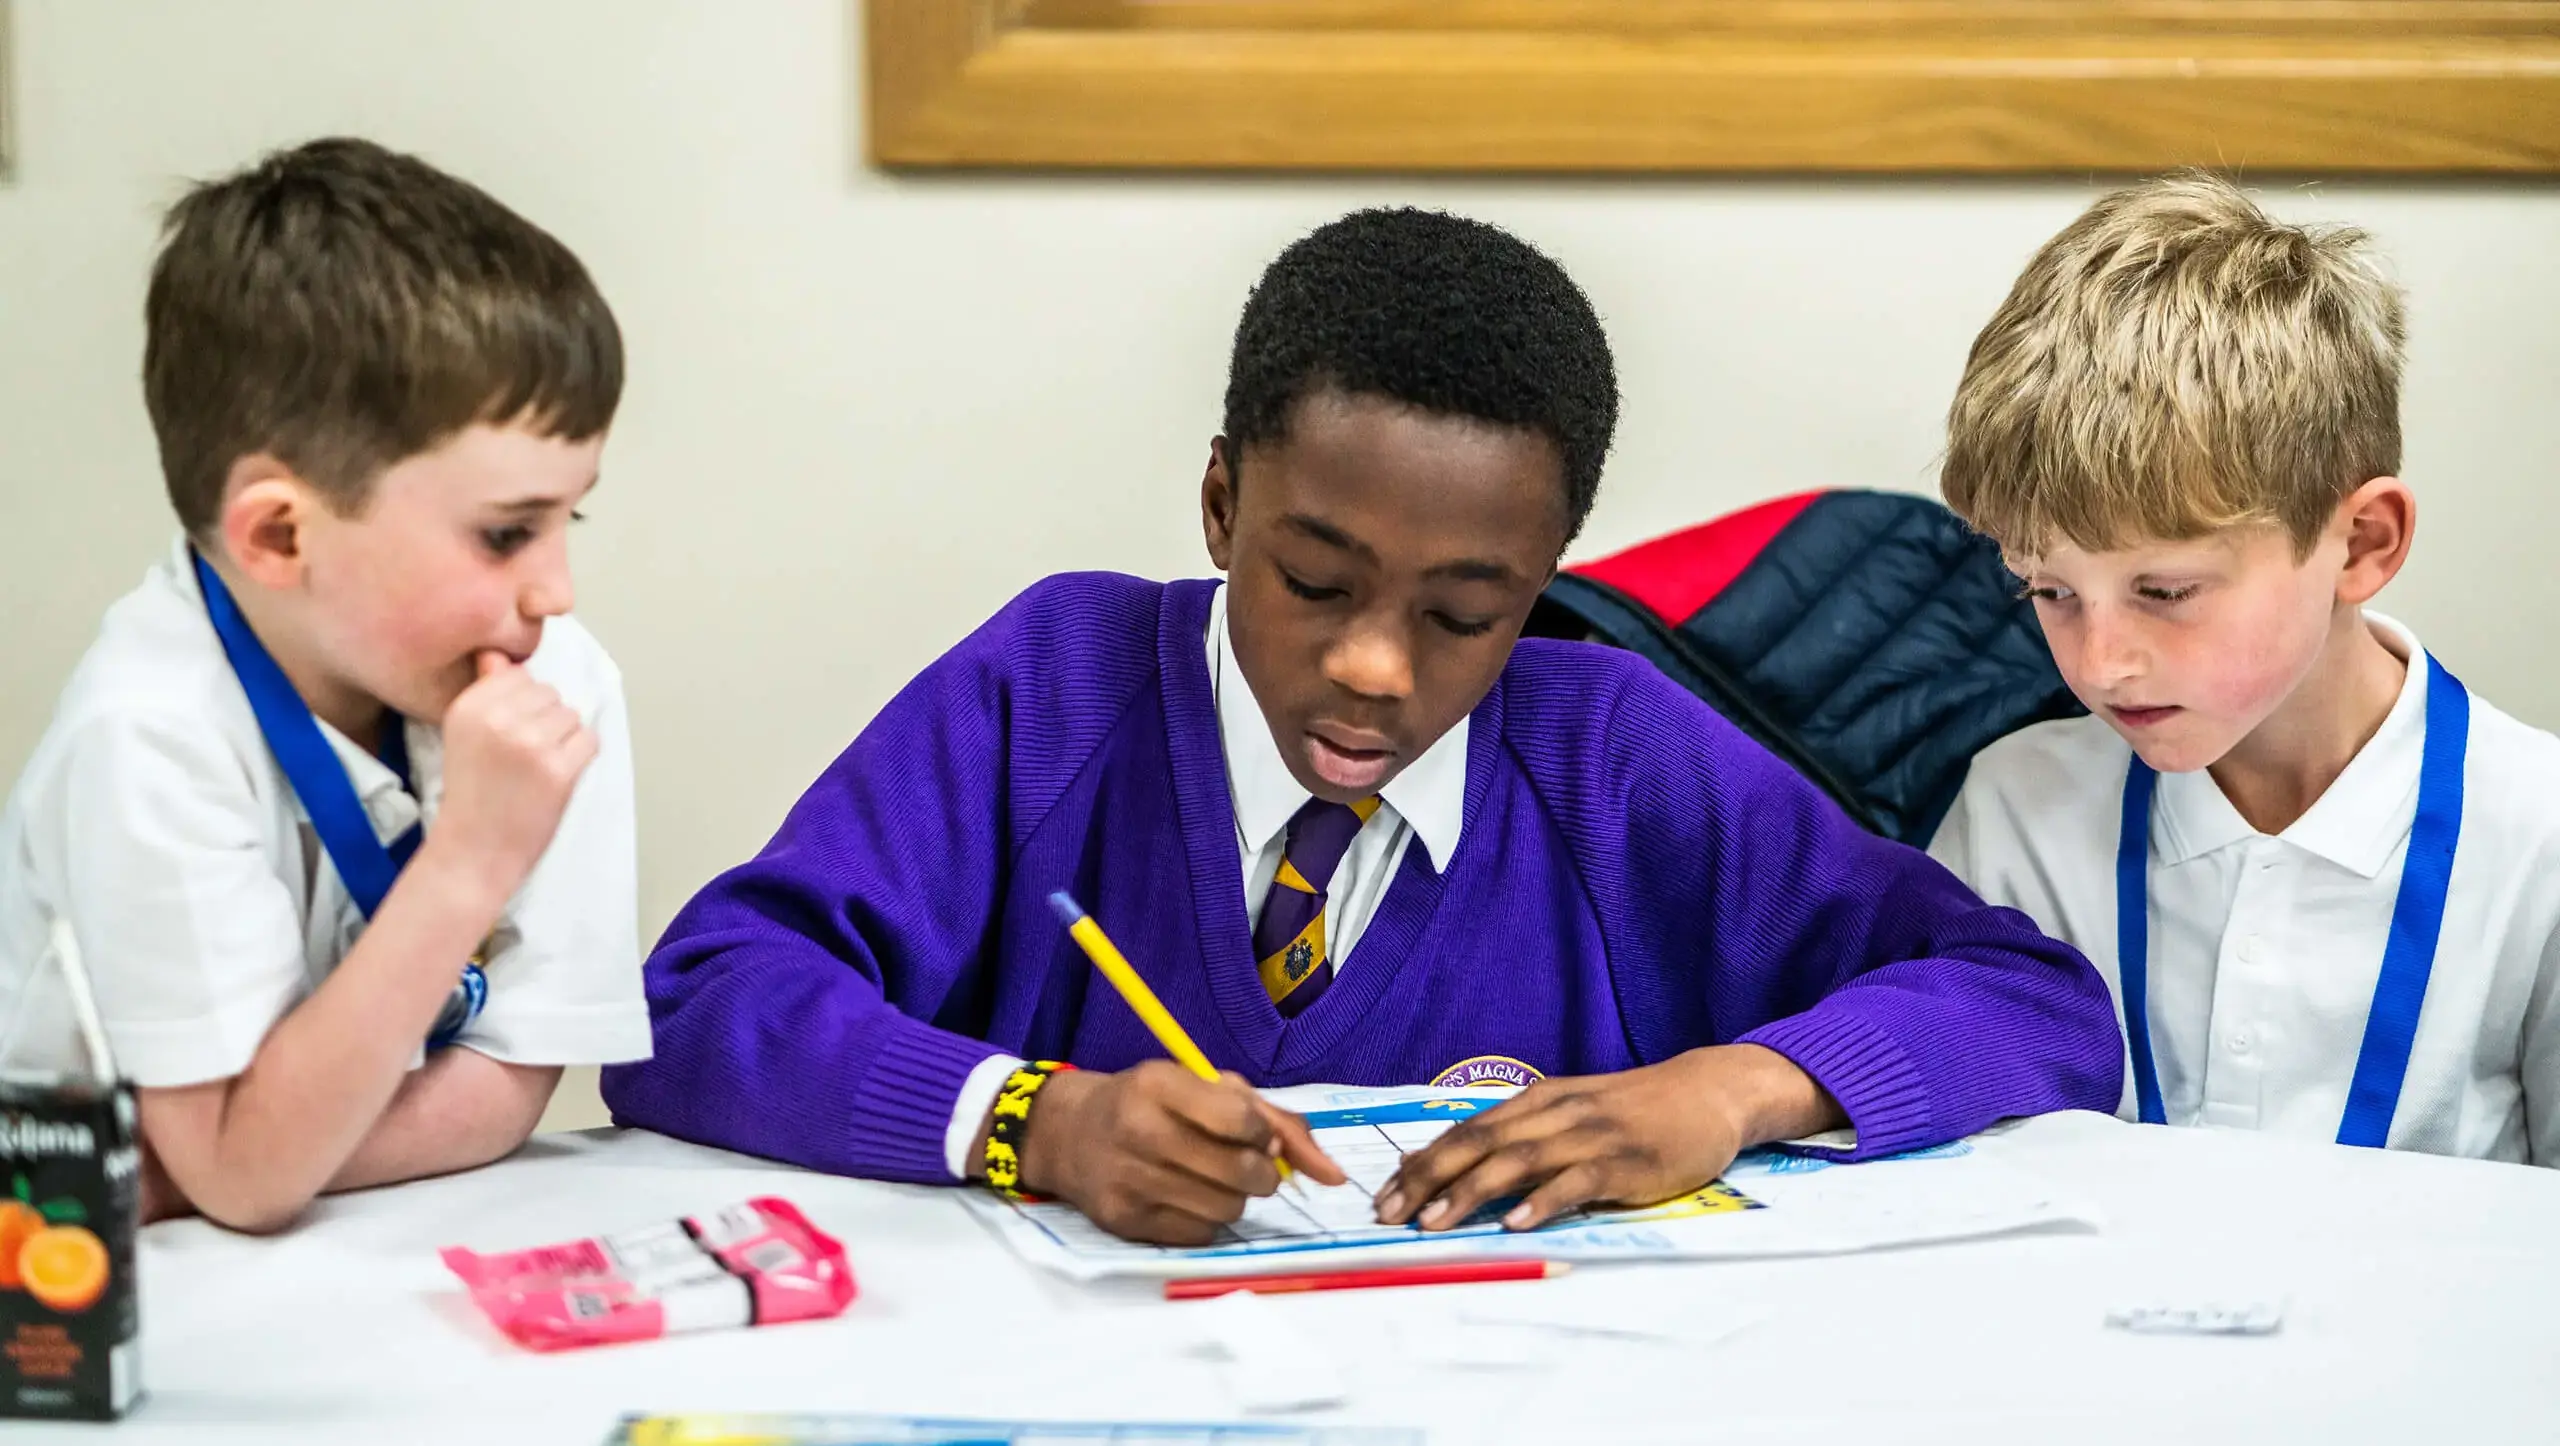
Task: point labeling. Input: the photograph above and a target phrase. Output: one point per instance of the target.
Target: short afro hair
(1438, 312)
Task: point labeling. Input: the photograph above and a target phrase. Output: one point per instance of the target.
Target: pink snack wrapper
(756, 1263)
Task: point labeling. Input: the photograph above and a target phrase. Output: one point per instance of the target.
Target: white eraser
(2240, 1318)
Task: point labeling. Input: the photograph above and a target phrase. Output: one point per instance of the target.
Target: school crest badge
(1301, 958)
(1487, 1071)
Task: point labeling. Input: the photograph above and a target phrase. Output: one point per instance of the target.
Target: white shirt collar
(2359, 821)
(1430, 794)
(393, 805)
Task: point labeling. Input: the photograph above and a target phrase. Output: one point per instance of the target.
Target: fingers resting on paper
(1631, 1138)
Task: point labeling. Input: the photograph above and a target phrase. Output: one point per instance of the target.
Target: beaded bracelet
(1010, 1122)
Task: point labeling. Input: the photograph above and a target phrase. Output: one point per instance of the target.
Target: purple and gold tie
(1289, 937)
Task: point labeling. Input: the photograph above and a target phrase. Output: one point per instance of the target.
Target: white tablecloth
(2423, 1305)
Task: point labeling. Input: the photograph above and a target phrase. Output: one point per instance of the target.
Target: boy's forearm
(464, 1109)
(290, 1123)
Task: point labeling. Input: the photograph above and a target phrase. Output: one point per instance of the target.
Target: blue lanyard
(2417, 919)
(364, 863)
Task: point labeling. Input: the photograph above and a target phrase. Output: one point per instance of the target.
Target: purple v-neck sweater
(1635, 878)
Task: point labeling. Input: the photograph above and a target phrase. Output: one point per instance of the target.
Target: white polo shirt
(154, 817)
(1425, 803)
(2265, 949)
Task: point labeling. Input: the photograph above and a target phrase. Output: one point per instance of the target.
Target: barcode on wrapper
(732, 1227)
(771, 1255)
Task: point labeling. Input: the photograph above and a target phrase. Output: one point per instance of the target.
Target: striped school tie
(1289, 937)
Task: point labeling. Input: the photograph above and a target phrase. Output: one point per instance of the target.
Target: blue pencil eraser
(1068, 909)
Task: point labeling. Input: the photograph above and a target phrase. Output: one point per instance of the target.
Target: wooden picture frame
(1985, 86)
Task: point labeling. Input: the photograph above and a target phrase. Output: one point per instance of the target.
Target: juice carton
(70, 1199)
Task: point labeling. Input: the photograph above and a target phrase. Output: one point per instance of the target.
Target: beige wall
(863, 411)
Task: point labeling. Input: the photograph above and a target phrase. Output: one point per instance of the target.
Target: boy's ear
(2379, 520)
(265, 507)
(1218, 504)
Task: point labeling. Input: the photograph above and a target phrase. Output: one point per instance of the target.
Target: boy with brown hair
(2322, 878)
(340, 785)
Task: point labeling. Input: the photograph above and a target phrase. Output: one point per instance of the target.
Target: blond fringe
(2176, 363)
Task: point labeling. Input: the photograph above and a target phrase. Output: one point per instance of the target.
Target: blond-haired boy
(2322, 878)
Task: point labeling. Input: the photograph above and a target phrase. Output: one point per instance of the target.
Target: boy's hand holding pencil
(1156, 1154)
(1166, 1152)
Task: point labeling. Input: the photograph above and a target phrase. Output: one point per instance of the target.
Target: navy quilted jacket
(1869, 639)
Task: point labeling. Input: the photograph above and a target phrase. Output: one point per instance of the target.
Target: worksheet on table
(1768, 1204)
(785, 1430)
(1368, 1143)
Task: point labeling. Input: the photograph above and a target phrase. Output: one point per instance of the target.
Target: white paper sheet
(1767, 1205)
(832, 1430)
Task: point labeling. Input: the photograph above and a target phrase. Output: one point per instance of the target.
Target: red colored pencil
(1454, 1272)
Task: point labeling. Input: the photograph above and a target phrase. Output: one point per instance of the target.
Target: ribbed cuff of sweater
(1863, 1068)
(902, 1104)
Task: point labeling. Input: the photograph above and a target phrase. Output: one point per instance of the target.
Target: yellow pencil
(1106, 956)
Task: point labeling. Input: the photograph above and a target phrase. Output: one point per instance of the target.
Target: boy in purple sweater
(1352, 830)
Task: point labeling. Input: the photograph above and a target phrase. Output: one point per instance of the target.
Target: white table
(2424, 1306)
